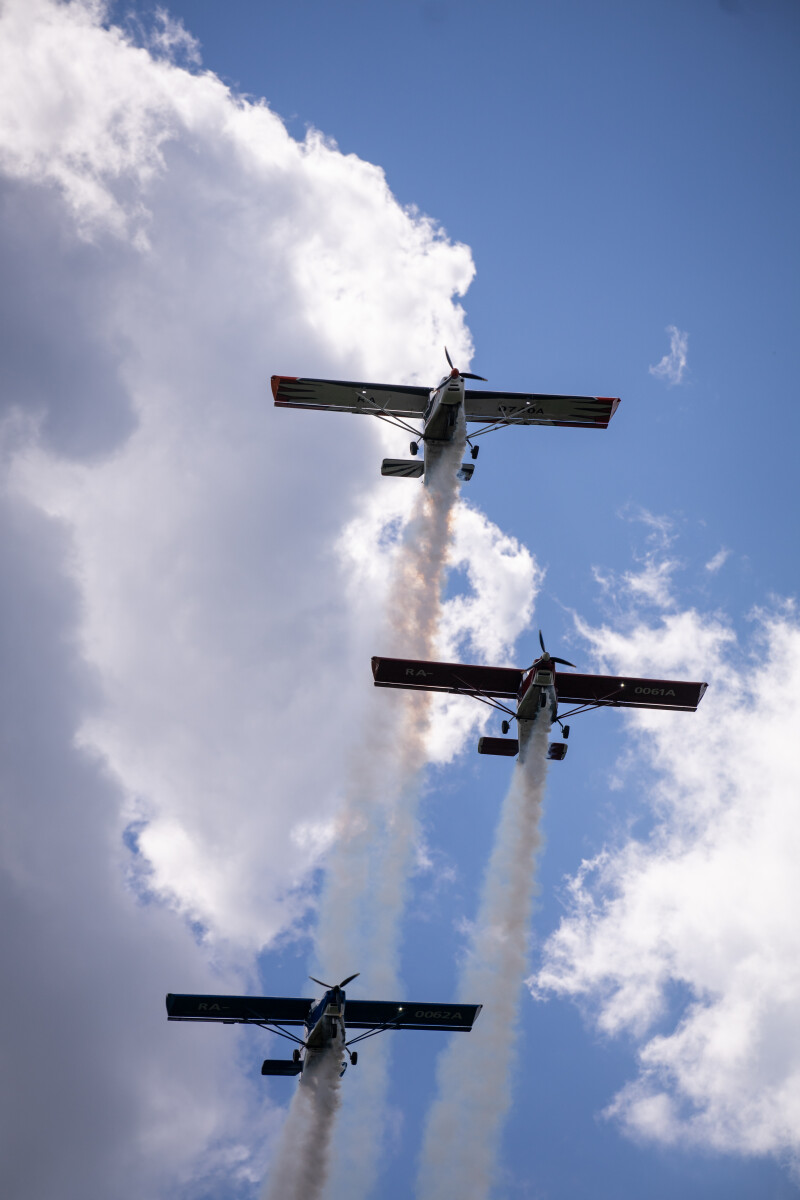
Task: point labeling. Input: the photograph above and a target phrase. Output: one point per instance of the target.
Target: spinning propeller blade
(463, 374)
(332, 987)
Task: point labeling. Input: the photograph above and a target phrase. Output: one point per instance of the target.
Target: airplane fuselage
(325, 1027)
(537, 699)
(441, 415)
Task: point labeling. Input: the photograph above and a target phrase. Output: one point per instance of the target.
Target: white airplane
(323, 1020)
(438, 408)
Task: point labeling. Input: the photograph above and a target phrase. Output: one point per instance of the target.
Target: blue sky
(615, 170)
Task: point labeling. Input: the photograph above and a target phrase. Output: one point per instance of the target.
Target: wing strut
(368, 1033)
(484, 697)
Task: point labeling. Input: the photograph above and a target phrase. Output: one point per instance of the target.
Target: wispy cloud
(154, 491)
(673, 365)
(719, 559)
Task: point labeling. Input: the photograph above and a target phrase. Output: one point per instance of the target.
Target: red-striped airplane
(537, 691)
(438, 408)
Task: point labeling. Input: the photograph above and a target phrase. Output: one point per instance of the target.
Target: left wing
(524, 408)
(446, 677)
(367, 1014)
(231, 1010)
(394, 400)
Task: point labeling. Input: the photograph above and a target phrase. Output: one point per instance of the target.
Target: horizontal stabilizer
(557, 751)
(446, 677)
(622, 691)
(465, 471)
(509, 747)
(280, 1066)
(405, 468)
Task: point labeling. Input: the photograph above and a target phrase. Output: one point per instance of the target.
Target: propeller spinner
(552, 657)
(463, 374)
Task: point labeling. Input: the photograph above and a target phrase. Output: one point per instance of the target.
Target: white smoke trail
(367, 872)
(473, 1072)
(301, 1166)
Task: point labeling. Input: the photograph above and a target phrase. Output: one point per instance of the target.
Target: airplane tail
(280, 1066)
(406, 468)
(411, 468)
(509, 747)
(494, 745)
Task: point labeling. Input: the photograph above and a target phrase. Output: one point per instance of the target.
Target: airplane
(323, 1020)
(438, 407)
(537, 690)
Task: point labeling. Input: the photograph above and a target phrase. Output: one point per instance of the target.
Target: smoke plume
(473, 1073)
(301, 1166)
(365, 886)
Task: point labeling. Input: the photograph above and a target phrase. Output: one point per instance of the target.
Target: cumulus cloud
(686, 939)
(672, 366)
(181, 626)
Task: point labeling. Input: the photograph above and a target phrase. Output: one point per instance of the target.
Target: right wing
(397, 400)
(231, 1010)
(524, 408)
(370, 1014)
(446, 677)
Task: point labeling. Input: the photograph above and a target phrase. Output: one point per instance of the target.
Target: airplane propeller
(335, 987)
(553, 658)
(463, 374)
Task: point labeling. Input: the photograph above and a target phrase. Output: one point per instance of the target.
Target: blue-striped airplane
(323, 1021)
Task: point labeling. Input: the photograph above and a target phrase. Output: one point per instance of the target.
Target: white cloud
(708, 900)
(672, 366)
(181, 628)
(169, 36)
(718, 560)
(480, 623)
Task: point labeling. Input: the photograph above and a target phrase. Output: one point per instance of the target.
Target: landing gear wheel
(505, 726)
(414, 448)
(565, 730)
(474, 451)
(296, 1055)
(353, 1057)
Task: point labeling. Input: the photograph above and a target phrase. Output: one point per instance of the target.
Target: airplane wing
(621, 691)
(397, 400)
(238, 1009)
(446, 677)
(523, 408)
(369, 1014)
